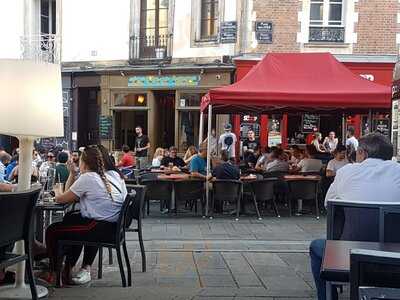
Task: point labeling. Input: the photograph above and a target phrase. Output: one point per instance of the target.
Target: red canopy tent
(293, 82)
(299, 81)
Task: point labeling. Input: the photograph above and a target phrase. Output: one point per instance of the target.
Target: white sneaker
(82, 277)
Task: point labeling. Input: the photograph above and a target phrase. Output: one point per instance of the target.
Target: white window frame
(52, 7)
(325, 13)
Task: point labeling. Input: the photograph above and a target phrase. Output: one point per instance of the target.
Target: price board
(310, 122)
(105, 127)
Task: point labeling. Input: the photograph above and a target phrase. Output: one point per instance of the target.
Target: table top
(51, 206)
(249, 178)
(336, 259)
(180, 176)
(301, 177)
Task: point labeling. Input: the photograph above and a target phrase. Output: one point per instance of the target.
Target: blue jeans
(317, 248)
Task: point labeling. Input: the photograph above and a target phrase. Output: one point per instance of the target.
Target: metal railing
(150, 48)
(326, 34)
(42, 47)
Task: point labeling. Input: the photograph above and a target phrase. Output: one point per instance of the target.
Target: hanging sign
(310, 122)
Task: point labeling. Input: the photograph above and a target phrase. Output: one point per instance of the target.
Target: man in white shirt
(373, 178)
(351, 139)
(227, 141)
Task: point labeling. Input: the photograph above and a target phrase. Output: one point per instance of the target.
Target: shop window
(326, 21)
(190, 100)
(137, 100)
(209, 19)
(188, 129)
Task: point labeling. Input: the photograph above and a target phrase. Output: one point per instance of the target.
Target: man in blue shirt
(198, 165)
(4, 161)
(226, 170)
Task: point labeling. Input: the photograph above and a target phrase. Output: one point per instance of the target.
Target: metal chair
(135, 213)
(263, 191)
(190, 191)
(157, 190)
(374, 275)
(226, 190)
(116, 242)
(304, 189)
(16, 224)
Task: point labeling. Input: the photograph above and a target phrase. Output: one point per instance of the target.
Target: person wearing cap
(227, 141)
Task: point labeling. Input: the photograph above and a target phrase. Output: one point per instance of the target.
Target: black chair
(225, 190)
(304, 189)
(116, 242)
(389, 224)
(190, 191)
(16, 224)
(263, 191)
(135, 213)
(157, 190)
(374, 275)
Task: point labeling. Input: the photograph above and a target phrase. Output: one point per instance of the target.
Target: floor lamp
(31, 98)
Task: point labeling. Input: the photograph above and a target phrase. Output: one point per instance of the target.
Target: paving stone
(217, 281)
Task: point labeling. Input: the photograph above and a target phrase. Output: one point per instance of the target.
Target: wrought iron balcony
(150, 49)
(326, 34)
(42, 47)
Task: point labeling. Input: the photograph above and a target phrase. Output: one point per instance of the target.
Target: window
(48, 17)
(130, 99)
(154, 18)
(209, 19)
(326, 13)
(326, 21)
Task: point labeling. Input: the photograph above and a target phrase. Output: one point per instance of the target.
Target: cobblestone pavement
(196, 258)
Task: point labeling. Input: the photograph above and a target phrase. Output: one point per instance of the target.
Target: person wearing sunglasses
(100, 194)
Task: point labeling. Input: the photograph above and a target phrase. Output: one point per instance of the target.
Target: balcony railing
(326, 34)
(42, 47)
(148, 49)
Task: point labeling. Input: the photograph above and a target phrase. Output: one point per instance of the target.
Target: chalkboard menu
(228, 32)
(263, 32)
(105, 127)
(310, 122)
(382, 126)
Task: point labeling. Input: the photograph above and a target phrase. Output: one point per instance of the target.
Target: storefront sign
(105, 127)
(228, 32)
(163, 81)
(310, 122)
(264, 32)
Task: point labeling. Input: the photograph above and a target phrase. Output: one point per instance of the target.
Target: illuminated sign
(163, 81)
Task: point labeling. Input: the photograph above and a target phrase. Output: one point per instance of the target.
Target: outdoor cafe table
(173, 177)
(47, 208)
(336, 259)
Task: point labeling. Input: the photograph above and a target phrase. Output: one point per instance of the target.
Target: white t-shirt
(310, 165)
(277, 165)
(222, 141)
(94, 199)
(372, 180)
(352, 142)
(156, 162)
(334, 165)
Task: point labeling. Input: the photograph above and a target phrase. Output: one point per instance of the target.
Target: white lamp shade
(31, 99)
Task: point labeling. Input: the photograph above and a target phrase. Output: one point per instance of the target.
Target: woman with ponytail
(100, 192)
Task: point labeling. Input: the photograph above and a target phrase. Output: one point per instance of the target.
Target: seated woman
(338, 162)
(101, 195)
(190, 153)
(309, 163)
(158, 156)
(277, 161)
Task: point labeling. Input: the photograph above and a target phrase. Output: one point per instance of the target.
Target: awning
(293, 82)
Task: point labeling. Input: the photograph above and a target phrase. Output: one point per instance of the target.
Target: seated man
(226, 170)
(173, 159)
(198, 165)
(127, 159)
(338, 162)
(276, 162)
(375, 177)
(309, 163)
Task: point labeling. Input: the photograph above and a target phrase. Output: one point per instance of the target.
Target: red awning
(299, 82)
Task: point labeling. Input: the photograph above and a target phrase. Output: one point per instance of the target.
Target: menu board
(105, 127)
(228, 32)
(382, 126)
(310, 122)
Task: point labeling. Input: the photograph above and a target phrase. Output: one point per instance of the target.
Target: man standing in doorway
(227, 141)
(142, 144)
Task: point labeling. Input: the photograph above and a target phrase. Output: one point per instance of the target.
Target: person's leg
(316, 252)
(89, 255)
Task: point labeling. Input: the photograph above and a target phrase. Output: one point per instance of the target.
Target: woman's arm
(67, 197)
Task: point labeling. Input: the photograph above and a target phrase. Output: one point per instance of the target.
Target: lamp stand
(20, 290)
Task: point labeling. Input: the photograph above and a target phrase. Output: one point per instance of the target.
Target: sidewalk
(195, 258)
